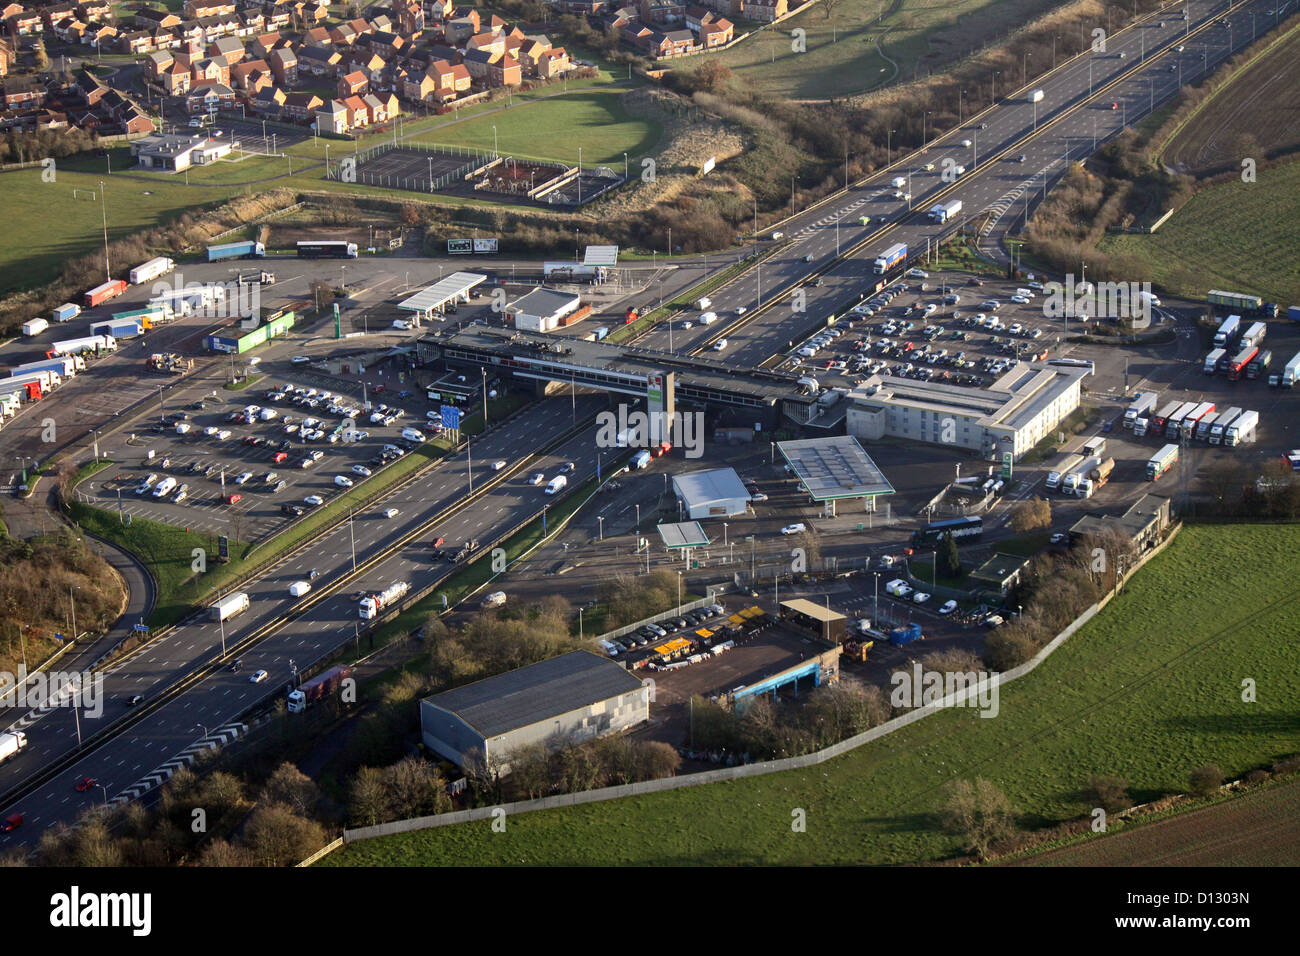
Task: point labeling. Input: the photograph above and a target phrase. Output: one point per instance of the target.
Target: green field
(553, 129)
(1148, 691)
(1237, 236)
(863, 46)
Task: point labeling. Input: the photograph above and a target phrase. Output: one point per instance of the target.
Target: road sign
(460, 247)
(450, 417)
(223, 547)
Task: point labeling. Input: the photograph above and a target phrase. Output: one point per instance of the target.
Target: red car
(279, 456)
(378, 389)
(1114, 106)
(86, 784)
(11, 822)
(231, 499)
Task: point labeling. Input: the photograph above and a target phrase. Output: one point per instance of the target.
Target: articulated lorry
(151, 270)
(1228, 329)
(1212, 361)
(1214, 434)
(105, 291)
(236, 250)
(1162, 461)
(1173, 426)
(890, 258)
(1194, 419)
(942, 212)
(1095, 478)
(1242, 430)
(11, 743)
(1070, 484)
(375, 602)
(1141, 407)
(86, 343)
(1257, 368)
(1254, 336)
(1288, 376)
(318, 687)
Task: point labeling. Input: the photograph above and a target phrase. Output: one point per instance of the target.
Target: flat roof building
(174, 152)
(1011, 416)
(543, 310)
(717, 493)
(999, 573)
(1144, 522)
(576, 696)
(825, 623)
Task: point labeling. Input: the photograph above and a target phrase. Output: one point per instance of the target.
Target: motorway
(205, 713)
(995, 179)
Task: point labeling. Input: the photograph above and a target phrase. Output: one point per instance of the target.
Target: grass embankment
(1234, 235)
(1148, 690)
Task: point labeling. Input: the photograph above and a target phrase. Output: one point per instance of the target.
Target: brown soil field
(1260, 828)
(1256, 115)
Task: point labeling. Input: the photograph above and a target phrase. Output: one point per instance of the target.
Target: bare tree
(1109, 793)
(1206, 779)
(293, 788)
(368, 797)
(277, 836)
(978, 813)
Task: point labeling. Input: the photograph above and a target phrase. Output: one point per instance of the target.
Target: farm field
(1148, 690)
(866, 44)
(1254, 115)
(553, 129)
(1237, 236)
(1260, 828)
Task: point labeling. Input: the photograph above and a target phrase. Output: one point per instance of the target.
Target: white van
(641, 459)
(708, 318)
(495, 599)
(410, 434)
(719, 345)
(558, 482)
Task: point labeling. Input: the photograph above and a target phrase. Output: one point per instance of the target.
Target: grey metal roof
(538, 692)
(684, 534)
(836, 467)
(707, 487)
(440, 293)
(542, 301)
(600, 256)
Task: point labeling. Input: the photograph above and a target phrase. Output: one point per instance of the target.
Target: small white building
(543, 310)
(717, 493)
(175, 152)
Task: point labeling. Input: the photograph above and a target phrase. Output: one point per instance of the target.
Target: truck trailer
(1070, 483)
(1254, 335)
(87, 343)
(105, 291)
(67, 312)
(11, 743)
(318, 687)
(1237, 367)
(1227, 332)
(35, 327)
(1289, 375)
(229, 606)
(236, 250)
(1173, 427)
(118, 328)
(373, 603)
(151, 270)
(1161, 418)
(942, 212)
(1214, 435)
(1257, 368)
(1242, 431)
(1194, 419)
(1162, 461)
(1212, 361)
(1140, 407)
(890, 258)
(65, 366)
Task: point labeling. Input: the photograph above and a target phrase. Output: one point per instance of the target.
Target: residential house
(318, 36)
(463, 27)
(7, 57)
(353, 83)
(279, 18)
(410, 16)
(244, 75)
(491, 42)
(318, 61)
(21, 92)
(176, 79)
(206, 96)
(100, 36)
(672, 43)
(504, 70)
(210, 68)
(229, 48)
(372, 65)
(58, 12)
(93, 10)
(718, 33)
(332, 118)
(135, 43)
(765, 11)
(358, 112)
(343, 35)
(387, 45)
(268, 101)
(419, 87)
(284, 66)
(151, 19)
(663, 12)
(23, 22)
(383, 107)
(315, 13)
(251, 23)
(156, 63)
(584, 8)
(262, 45)
(300, 106)
(381, 24)
(554, 63)
(478, 62)
(621, 18)
(198, 9)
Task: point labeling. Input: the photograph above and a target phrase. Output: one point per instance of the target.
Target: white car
(741, 310)
(797, 528)
(390, 512)
(948, 607)
(244, 478)
(313, 500)
(361, 470)
(1019, 300)
(904, 591)
(536, 478)
(211, 430)
(223, 434)
(917, 274)
(920, 597)
(258, 677)
(299, 360)
(498, 465)
(688, 324)
(1059, 538)
(401, 324)
(758, 496)
(343, 481)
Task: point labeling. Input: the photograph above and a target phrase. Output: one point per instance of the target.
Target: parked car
(948, 607)
(797, 528)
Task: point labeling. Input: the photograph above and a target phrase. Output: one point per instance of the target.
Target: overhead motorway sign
(451, 417)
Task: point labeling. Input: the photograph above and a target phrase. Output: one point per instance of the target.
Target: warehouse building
(718, 493)
(1011, 416)
(544, 310)
(575, 696)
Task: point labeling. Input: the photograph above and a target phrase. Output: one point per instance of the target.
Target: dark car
(85, 784)
(295, 510)
(11, 822)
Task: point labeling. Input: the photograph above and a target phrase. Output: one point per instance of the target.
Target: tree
(1031, 515)
(290, 786)
(368, 797)
(1205, 780)
(277, 836)
(948, 557)
(40, 57)
(1109, 793)
(978, 813)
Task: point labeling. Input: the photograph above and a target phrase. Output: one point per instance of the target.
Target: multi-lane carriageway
(1073, 116)
(128, 762)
